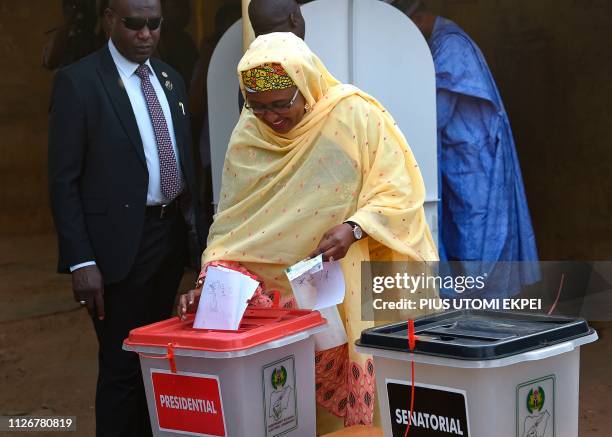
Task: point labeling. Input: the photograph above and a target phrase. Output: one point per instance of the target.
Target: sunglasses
(136, 23)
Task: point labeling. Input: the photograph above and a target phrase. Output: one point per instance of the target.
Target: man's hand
(88, 287)
(335, 243)
(188, 303)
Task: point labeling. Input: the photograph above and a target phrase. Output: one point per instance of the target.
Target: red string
(169, 356)
(275, 299)
(411, 344)
(554, 305)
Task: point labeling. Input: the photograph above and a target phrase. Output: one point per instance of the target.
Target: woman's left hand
(335, 243)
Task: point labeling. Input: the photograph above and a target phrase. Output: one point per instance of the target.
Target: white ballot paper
(224, 299)
(320, 286)
(316, 285)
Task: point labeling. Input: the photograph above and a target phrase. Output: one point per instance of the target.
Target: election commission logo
(536, 408)
(280, 397)
(535, 399)
(279, 377)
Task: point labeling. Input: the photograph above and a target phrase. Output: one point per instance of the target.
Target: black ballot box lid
(477, 335)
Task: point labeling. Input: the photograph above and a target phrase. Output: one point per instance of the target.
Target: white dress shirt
(131, 82)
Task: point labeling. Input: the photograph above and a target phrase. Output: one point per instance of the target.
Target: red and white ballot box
(257, 381)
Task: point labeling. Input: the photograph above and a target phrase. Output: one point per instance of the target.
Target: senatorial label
(438, 411)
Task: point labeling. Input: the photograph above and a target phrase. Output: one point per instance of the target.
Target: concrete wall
(552, 61)
(24, 96)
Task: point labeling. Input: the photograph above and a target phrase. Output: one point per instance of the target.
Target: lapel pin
(182, 107)
(164, 74)
(169, 85)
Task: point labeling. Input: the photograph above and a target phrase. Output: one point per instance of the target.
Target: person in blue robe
(484, 214)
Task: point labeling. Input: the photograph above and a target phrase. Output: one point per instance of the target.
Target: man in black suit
(121, 177)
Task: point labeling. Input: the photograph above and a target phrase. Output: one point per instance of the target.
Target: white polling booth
(367, 43)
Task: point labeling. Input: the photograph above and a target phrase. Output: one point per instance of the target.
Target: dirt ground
(48, 346)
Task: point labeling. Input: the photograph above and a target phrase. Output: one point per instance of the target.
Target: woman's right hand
(188, 303)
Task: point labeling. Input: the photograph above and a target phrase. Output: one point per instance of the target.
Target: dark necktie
(171, 184)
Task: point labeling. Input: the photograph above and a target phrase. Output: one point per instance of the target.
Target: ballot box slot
(258, 321)
(476, 335)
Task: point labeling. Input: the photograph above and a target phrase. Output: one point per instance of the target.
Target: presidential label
(438, 411)
(188, 403)
(280, 397)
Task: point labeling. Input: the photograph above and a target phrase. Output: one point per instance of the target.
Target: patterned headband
(266, 77)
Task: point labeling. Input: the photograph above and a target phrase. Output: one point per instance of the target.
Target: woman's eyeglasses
(280, 109)
(137, 23)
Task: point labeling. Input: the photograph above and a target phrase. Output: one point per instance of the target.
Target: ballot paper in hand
(224, 299)
(320, 286)
(316, 285)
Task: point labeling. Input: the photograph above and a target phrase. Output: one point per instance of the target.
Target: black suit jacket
(98, 176)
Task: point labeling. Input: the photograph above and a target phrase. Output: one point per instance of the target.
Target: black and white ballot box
(480, 373)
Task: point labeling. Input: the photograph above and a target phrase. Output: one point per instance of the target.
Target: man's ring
(83, 302)
(331, 259)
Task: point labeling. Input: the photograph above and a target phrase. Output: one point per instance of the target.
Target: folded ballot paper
(224, 299)
(320, 286)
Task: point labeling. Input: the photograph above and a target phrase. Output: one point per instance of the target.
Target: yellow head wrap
(266, 77)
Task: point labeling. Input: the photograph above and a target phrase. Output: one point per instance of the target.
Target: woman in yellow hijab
(316, 166)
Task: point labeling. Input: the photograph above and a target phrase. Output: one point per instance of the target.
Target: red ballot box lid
(258, 326)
